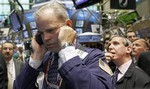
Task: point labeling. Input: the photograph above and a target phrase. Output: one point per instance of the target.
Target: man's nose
(110, 47)
(7, 50)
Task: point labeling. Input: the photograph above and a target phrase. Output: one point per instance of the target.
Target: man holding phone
(59, 62)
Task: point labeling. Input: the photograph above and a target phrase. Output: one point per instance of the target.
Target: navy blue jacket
(76, 73)
(3, 73)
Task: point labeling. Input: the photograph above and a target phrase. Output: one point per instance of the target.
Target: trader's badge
(104, 66)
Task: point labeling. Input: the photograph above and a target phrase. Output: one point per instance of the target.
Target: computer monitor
(128, 18)
(5, 31)
(25, 34)
(34, 31)
(29, 18)
(84, 3)
(15, 21)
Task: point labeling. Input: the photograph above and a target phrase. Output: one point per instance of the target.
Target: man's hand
(38, 50)
(66, 35)
(108, 56)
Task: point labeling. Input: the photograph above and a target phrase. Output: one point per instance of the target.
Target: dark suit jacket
(3, 73)
(144, 62)
(76, 73)
(19, 65)
(134, 78)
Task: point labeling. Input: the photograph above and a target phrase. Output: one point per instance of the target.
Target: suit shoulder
(94, 51)
(141, 74)
(18, 62)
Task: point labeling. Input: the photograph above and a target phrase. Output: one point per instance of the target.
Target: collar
(10, 61)
(128, 72)
(123, 68)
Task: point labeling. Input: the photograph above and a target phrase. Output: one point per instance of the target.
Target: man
(129, 75)
(13, 66)
(139, 46)
(3, 73)
(21, 54)
(77, 68)
(131, 35)
(106, 41)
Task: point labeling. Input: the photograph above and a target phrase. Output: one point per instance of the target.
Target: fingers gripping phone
(38, 39)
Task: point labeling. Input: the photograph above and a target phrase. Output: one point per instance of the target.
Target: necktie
(10, 76)
(53, 71)
(114, 77)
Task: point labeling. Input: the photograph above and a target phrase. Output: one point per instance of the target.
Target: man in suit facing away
(3, 73)
(13, 66)
(144, 61)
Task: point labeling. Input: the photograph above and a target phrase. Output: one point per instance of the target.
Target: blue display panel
(29, 17)
(79, 30)
(84, 3)
(25, 34)
(84, 19)
(89, 38)
(15, 21)
(79, 23)
(34, 32)
(79, 2)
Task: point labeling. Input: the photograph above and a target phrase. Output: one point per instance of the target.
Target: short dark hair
(8, 42)
(128, 31)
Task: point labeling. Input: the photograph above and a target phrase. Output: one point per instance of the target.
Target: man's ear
(129, 49)
(147, 49)
(68, 22)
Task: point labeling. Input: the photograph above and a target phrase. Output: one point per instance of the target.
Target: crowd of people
(60, 62)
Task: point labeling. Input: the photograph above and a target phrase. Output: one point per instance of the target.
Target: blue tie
(114, 77)
(53, 71)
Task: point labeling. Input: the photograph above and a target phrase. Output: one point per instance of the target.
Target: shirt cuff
(35, 63)
(66, 54)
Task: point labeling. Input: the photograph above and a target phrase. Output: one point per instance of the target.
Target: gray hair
(126, 41)
(58, 9)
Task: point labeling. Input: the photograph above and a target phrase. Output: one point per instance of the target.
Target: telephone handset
(38, 39)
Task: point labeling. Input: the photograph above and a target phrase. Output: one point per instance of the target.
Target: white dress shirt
(123, 69)
(11, 73)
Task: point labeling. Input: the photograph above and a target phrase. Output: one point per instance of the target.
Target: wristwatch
(66, 45)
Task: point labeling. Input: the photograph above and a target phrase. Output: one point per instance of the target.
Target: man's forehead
(130, 33)
(116, 38)
(140, 41)
(7, 45)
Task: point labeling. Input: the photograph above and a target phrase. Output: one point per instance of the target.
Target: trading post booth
(89, 39)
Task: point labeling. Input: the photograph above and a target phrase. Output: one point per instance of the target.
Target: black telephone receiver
(38, 39)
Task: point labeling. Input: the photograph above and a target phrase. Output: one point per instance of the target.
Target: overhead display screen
(89, 38)
(84, 3)
(15, 21)
(128, 18)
